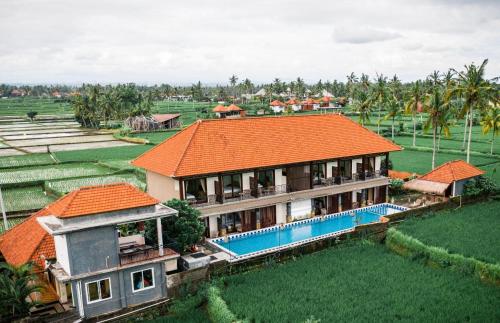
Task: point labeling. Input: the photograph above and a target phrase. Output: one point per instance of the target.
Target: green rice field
(103, 154)
(35, 174)
(26, 160)
(359, 283)
(473, 230)
(21, 106)
(155, 137)
(483, 147)
(12, 222)
(25, 198)
(61, 187)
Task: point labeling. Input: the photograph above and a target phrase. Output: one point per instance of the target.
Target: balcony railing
(284, 188)
(142, 253)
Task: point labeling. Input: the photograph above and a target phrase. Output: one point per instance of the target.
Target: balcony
(141, 253)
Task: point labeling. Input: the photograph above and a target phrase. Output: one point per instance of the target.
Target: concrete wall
(279, 178)
(122, 294)
(212, 226)
(162, 187)
(93, 250)
(329, 166)
(281, 213)
(62, 254)
(211, 185)
(353, 165)
(459, 187)
(246, 180)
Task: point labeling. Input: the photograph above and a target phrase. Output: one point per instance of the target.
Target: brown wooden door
(246, 221)
(333, 204)
(346, 201)
(381, 196)
(218, 191)
(267, 216)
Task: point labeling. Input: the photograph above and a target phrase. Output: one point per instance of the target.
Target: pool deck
(235, 257)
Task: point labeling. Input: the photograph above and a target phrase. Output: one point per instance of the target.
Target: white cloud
(181, 42)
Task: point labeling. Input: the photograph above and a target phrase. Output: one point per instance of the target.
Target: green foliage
(355, 284)
(471, 230)
(16, 284)
(32, 115)
(217, 309)
(396, 186)
(186, 228)
(479, 186)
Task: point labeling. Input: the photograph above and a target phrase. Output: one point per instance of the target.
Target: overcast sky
(180, 42)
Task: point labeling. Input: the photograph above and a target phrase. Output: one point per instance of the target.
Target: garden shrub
(479, 186)
(396, 186)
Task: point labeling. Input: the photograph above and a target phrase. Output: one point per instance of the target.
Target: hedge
(414, 249)
(217, 309)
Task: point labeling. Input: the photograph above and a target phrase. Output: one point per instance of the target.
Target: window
(345, 168)
(230, 221)
(231, 185)
(98, 290)
(318, 172)
(266, 178)
(143, 279)
(195, 190)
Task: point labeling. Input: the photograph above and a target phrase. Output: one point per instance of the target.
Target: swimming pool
(252, 243)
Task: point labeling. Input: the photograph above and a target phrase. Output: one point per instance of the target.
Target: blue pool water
(248, 243)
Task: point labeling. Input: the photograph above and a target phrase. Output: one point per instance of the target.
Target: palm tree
(491, 122)
(413, 105)
(435, 106)
(393, 110)
(476, 92)
(16, 285)
(379, 95)
(233, 80)
(351, 80)
(362, 105)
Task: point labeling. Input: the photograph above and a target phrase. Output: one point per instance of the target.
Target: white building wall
(246, 180)
(329, 166)
(280, 213)
(353, 164)
(301, 209)
(279, 179)
(378, 161)
(211, 185)
(62, 252)
(212, 226)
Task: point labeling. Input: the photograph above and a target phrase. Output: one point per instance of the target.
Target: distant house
(16, 93)
(277, 106)
(77, 243)
(293, 104)
(167, 121)
(232, 111)
(405, 176)
(310, 104)
(446, 180)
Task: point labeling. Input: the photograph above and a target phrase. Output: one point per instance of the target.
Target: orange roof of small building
(89, 200)
(400, 175)
(28, 241)
(165, 117)
(219, 108)
(213, 146)
(234, 107)
(292, 101)
(326, 99)
(452, 171)
(277, 103)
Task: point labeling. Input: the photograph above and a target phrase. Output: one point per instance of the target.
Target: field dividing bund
(472, 230)
(358, 282)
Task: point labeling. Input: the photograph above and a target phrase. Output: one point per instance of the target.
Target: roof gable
(212, 146)
(451, 171)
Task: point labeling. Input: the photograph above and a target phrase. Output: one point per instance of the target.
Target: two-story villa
(249, 173)
(77, 242)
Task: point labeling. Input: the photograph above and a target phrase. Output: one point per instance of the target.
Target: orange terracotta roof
(165, 117)
(326, 99)
(452, 171)
(277, 103)
(212, 146)
(400, 175)
(292, 101)
(234, 107)
(100, 199)
(28, 241)
(219, 108)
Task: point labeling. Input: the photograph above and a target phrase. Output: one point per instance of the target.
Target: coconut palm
(233, 80)
(435, 106)
(394, 109)
(475, 91)
(380, 95)
(363, 106)
(352, 79)
(16, 285)
(414, 104)
(491, 122)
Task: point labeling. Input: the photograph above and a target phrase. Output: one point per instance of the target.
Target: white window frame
(144, 288)
(98, 290)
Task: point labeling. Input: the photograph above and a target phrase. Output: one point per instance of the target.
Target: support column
(160, 236)
(212, 227)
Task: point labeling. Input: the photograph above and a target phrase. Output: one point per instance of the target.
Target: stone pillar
(212, 226)
(160, 236)
(281, 213)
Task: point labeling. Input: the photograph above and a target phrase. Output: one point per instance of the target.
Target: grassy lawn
(420, 161)
(114, 153)
(473, 230)
(359, 283)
